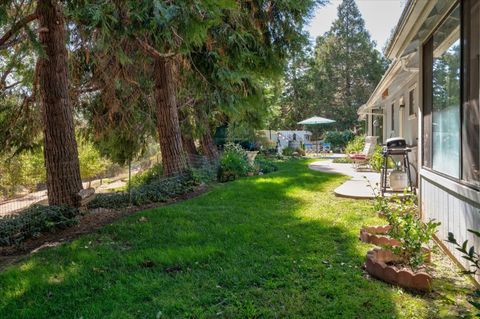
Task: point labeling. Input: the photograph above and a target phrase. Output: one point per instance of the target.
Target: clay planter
(377, 266)
(376, 235)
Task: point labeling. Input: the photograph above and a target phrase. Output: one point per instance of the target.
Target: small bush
(356, 145)
(407, 227)
(148, 176)
(288, 151)
(34, 221)
(376, 160)
(154, 192)
(112, 201)
(338, 140)
(264, 165)
(233, 162)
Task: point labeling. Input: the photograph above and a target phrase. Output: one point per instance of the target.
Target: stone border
(376, 235)
(376, 266)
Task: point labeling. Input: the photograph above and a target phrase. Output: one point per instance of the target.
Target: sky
(380, 17)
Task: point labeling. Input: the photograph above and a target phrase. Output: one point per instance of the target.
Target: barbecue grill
(396, 149)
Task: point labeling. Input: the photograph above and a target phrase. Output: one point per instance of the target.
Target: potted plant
(398, 178)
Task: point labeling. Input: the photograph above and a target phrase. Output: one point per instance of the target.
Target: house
(281, 138)
(430, 96)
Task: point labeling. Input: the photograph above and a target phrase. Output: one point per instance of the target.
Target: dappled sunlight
(280, 245)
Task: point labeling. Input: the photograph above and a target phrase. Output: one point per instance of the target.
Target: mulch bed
(88, 223)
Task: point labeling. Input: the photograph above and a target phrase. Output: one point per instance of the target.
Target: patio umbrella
(316, 120)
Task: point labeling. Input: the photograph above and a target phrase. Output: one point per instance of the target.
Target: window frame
(427, 94)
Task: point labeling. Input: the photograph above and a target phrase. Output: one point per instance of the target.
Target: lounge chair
(362, 159)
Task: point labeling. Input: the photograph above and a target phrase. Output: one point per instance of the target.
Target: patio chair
(362, 159)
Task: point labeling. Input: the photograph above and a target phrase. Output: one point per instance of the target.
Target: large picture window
(446, 96)
(451, 110)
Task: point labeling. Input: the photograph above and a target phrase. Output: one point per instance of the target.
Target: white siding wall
(441, 200)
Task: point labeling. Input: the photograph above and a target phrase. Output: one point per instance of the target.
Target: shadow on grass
(275, 246)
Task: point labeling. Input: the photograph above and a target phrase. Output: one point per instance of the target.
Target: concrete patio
(357, 187)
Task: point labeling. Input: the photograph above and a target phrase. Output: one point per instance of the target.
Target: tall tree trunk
(190, 148)
(60, 149)
(168, 126)
(208, 146)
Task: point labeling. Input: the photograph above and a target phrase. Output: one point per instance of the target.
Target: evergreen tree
(50, 80)
(347, 66)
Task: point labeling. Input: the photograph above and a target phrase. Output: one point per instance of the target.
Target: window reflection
(446, 96)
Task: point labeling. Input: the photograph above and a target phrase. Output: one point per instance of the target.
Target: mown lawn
(274, 246)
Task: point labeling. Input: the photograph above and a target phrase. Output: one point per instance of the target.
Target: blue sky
(380, 17)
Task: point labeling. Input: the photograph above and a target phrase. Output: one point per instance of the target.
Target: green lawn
(274, 246)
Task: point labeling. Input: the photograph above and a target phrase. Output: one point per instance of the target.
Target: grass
(273, 246)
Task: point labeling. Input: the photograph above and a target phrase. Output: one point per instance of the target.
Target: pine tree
(51, 78)
(347, 64)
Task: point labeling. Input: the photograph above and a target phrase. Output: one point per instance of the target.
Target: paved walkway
(357, 187)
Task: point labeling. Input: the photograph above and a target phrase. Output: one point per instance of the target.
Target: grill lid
(396, 142)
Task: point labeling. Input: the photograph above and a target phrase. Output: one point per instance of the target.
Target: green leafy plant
(471, 255)
(233, 162)
(148, 176)
(287, 151)
(34, 221)
(413, 234)
(356, 145)
(264, 165)
(338, 139)
(155, 191)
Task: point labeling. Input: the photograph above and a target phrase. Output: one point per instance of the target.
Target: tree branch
(152, 51)
(17, 26)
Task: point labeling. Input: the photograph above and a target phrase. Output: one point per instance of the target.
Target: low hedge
(265, 165)
(34, 221)
(154, 192)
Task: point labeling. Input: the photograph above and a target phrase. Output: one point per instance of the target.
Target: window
(411, 103)
(451, 108)
(445, 91)
(392, 112)
(471, 107)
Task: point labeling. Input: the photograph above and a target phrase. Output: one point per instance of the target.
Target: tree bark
(60, 148)
(168, 126)
(190, 148)
(208, 146)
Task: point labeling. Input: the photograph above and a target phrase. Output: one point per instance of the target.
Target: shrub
(300, 151)
(264, 165)
(376, 160)
(148, 176)
(158, 190)
(110, 200)
(288, 151)
(355, 145)
(412, 233)
(233, 162)
(472, 256)
(34, 221)
(338, 139)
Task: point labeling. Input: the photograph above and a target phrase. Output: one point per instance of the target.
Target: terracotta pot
(377, 266)
(376, 235)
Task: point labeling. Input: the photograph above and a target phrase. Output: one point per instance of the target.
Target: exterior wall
(455, 206)
(409, 123)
